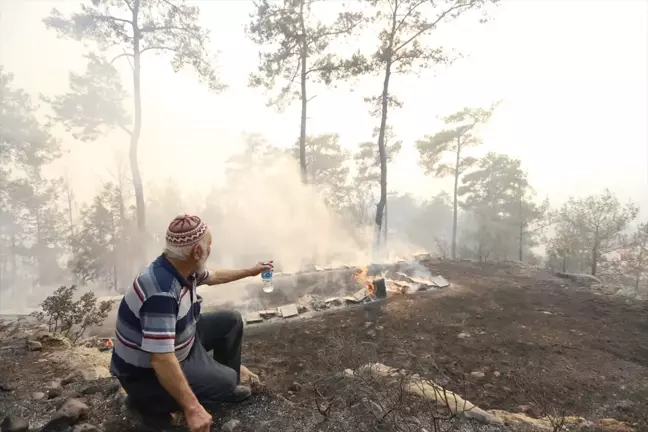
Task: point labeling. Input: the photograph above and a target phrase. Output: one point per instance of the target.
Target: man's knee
(217, 386)
(229, 319)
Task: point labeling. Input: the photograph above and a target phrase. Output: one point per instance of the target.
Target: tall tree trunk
(39, 249)
(521, 230)
(455, 206)
(380, 207)
(70, 219)
(137, 124)
(564, 263)
(304, 96)
(595, 252)
(14, 266)
(385, 226)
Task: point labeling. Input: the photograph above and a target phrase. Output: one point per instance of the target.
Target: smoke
(264, 212)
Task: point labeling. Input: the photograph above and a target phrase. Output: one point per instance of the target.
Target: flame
(361, 277)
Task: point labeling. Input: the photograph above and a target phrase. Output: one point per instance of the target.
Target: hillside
(505, 337)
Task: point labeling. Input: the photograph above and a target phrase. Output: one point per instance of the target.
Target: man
(162, 340)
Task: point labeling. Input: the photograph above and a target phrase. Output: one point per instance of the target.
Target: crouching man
(162, 340)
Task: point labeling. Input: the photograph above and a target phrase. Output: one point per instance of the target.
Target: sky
(571, 74)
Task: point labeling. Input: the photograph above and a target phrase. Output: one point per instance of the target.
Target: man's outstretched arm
(222, 276)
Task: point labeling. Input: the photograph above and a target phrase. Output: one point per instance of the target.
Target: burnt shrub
(72, 318)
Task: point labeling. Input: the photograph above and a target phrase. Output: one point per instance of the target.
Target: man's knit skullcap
(185, 230)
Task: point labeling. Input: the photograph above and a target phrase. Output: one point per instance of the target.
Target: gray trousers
(212, 379)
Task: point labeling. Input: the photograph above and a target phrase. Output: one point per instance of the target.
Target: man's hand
(198, 419)
(261, 267)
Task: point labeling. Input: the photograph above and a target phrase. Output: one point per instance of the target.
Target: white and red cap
(185, 230)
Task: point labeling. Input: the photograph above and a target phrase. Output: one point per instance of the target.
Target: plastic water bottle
(266, 278)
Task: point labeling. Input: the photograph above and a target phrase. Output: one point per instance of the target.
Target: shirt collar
(166, 264)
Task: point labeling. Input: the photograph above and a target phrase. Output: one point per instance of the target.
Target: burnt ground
(544, 345)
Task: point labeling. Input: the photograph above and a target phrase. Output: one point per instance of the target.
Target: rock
(497, 374)
(54, 341)
(85, 427)
(112, 389)
(14, 424)
(6, 387)
(53, 389)
(38, 395)
(70, 412)
(477, 374)
(95, 373)
(371, 333)
(91, 389)
(295, 387)
(231, 425)
(463, 335)
(54, 392)
(33, 345)
(70, 378)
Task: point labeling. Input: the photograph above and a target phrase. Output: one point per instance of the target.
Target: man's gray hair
(183, 253)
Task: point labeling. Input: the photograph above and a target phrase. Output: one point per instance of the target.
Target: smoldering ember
(319, 288)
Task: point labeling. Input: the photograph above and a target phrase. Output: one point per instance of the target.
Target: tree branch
(429, 26)
(164, 28)
(125, 129)
(120, 56)
(129, 5)
(409, 12)
(165, 48)
(110, 18)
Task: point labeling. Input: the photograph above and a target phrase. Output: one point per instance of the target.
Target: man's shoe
(239, 394)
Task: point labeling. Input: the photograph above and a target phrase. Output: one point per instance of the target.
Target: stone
(360, 295)
(288, 311)
(70, 378)
(477, 374)
(54, 392)
(335, 301)
(85, 427)
(349, 372)
(70, 412)
(112, 389)
(440, 281)
(33, 345)
(38, 395)
(268, 313)
(463, 335)
(91, 389)
(295, 387)
(95, 373)
(231, 425)
(253, 317)
(14, 424)
(371, 333)
(6, 387)
(54, 341)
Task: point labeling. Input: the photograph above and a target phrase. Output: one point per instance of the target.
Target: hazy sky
(572, 76)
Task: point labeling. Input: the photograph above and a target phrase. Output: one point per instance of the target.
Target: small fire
(361, 277)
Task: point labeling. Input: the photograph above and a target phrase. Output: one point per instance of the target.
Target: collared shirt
(157, 315)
